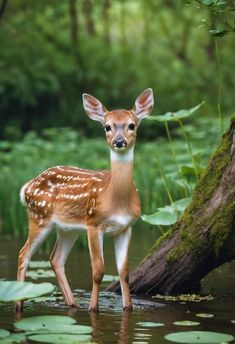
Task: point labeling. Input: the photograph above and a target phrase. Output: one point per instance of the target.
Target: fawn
(99, 202)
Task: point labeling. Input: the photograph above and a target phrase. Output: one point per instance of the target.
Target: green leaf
(202, 337)
(205, 315)
(182, 203)
(41, 322)
(14, 290)
(4, 333)
(40, 273)
(150, 324)
(175, 116)
(218, 33)
(186, 323)
(52, 324)
(161, 217)
(14, 338)
(110, 278)
(42, 264)
(60, 338)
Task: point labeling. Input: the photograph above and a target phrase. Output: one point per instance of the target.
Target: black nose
(119, 142)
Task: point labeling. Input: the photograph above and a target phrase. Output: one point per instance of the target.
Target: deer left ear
(144, 104)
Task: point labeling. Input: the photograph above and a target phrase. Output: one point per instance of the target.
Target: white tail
(99, 202)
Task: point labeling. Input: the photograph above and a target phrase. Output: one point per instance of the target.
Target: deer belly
(117, 223)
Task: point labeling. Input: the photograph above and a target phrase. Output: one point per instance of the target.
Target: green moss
(193, 219)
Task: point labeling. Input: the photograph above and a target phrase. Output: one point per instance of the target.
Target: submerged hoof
(19, 307)
(128, 308)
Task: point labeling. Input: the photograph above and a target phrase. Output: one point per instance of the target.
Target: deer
(72, 199)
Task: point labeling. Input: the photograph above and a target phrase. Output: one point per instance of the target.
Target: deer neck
(121, 183)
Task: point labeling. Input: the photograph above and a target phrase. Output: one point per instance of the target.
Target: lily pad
(60, 338)
(233, 321)
(40, 273)
(37, 322)
(14, 338)
(4, 333)
(202, 337)
(150, 324)
(14, 290)
(205, 315)
(39, 264)
(186, 323)
(52, 324)
(110, 278)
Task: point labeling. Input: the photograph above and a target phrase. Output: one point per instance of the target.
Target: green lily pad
(40, 273)
(40, 322)
(44, 299)
(39, 264)
(60, 338)
(14, 338)
(150, 324)
(202, 337)
(233, 321)
(186, 323)
(52, 324)
(4, 333)
(110, 278)
(205, 315)
(14, 290)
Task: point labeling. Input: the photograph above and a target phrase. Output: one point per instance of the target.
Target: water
(112, 325)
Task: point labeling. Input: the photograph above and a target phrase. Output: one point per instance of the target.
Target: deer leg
(95, 242)
(62, 248)
(37, 234)
(121, 243)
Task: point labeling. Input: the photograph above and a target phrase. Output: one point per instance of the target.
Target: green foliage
(55, 51)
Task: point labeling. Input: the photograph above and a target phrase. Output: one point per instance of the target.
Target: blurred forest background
(53, 51)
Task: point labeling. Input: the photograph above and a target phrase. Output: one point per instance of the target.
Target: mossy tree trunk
(203, 239)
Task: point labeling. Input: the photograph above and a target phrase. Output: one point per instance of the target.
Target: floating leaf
(110, 278)
(175, 116)
(205, 315)
(60, 338)
(42, 264)
(40, 273)
(14, 290)
(52, 324)
(150, 324)
(233, 321)
(186, 323)
(14, 338)
(4, 333)
(202, 337)
(161, 217)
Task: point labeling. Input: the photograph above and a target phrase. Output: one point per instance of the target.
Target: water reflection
(123, 334)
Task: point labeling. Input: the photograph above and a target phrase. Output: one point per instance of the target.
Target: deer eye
(107, 128)
(131, 126)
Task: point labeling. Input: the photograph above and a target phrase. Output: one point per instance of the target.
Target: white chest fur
(117, 222)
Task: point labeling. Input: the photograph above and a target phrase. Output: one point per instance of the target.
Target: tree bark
(203, 239)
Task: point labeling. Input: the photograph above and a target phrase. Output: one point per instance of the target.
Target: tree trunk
(203, 239)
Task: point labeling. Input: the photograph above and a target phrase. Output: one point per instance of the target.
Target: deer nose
(119, 142)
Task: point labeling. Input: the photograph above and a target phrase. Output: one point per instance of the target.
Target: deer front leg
(95, 242)
(121, 253)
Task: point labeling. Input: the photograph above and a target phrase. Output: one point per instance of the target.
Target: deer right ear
(93, 107)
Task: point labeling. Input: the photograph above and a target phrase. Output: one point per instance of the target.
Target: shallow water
(112, 325)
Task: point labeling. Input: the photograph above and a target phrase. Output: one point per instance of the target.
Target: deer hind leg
(63, 246)
(38, 231)
(121, 243)
(95, 242)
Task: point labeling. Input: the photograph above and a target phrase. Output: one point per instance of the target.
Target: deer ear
(144, 104)
(93, 107)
